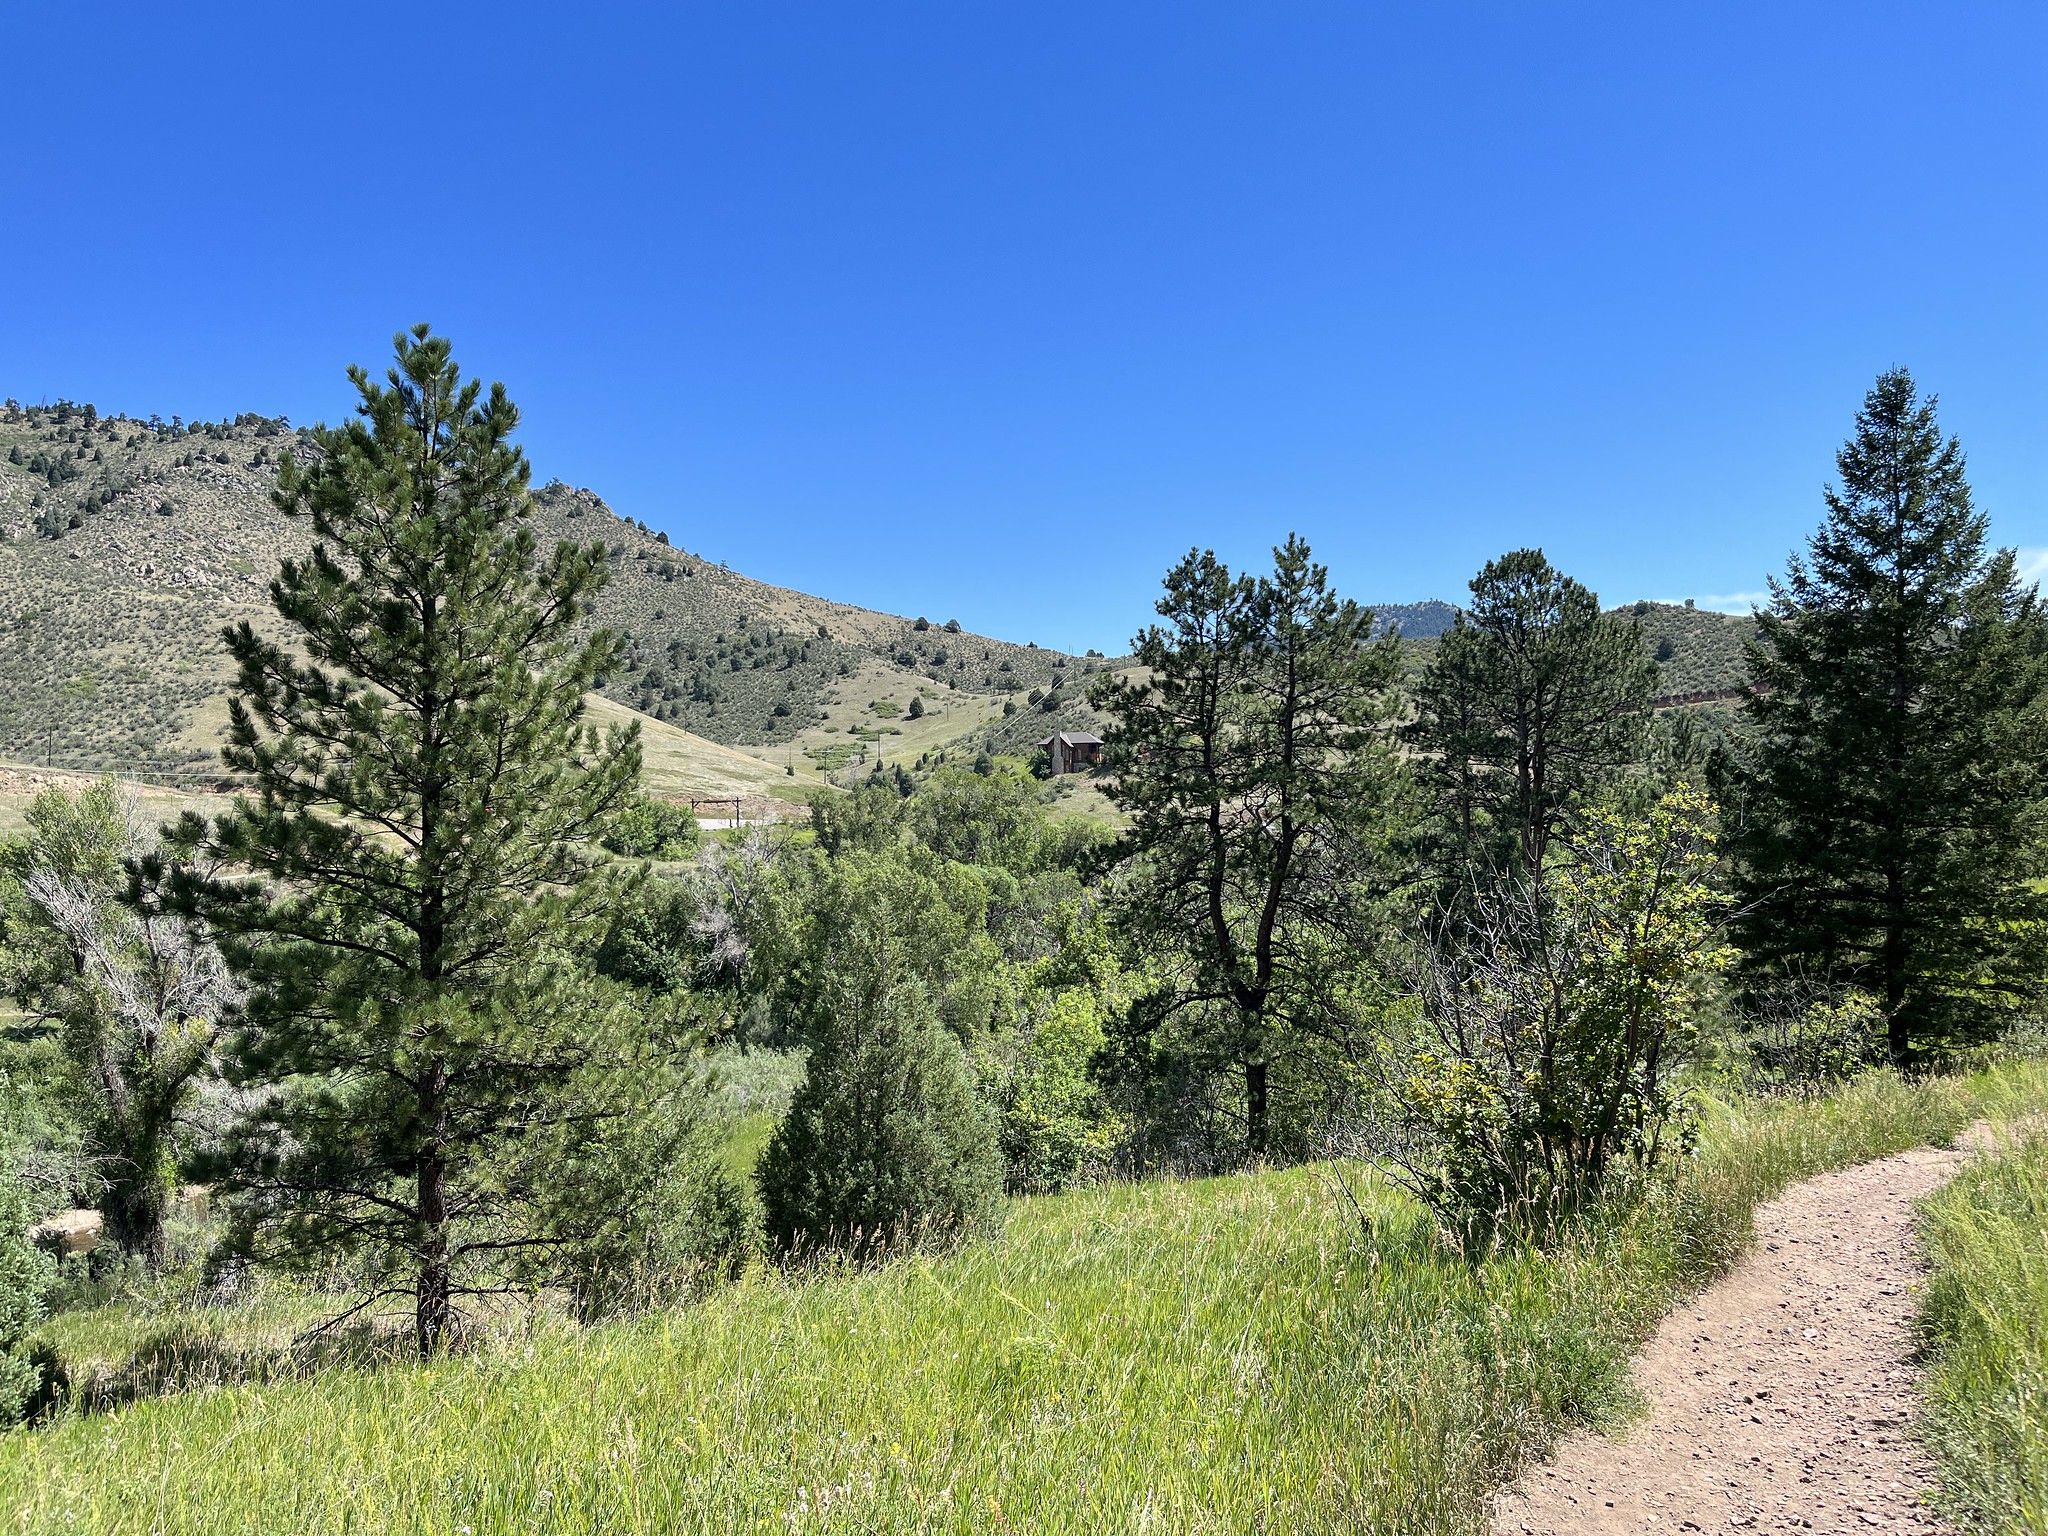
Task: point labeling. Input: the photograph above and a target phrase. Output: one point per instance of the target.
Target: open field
(21, 783)
(1235, 1354)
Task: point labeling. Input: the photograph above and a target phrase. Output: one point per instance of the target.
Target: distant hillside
(1696, 649)
(1066, 709)
(126, 545)
(1415, 621)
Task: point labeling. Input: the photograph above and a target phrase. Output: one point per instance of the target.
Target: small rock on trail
(1782, 1398)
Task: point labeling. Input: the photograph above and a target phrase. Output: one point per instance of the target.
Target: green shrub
(24, 1275)
(1552, 1031)
(653, 829)
(658, 1216)
(886, 1141)
(1810, 1036)
(1057, 1125)
(653, 941)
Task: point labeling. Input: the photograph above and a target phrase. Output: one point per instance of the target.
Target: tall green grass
(1230, 1355)
(1985, 1313)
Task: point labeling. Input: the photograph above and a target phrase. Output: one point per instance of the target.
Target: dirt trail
(1782, 1398)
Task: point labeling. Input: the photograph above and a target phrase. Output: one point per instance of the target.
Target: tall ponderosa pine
(1887, 796)
(1534, 698)
(1254, 762)
(420, 891)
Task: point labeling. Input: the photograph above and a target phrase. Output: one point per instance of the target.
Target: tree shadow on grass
(197, 1354)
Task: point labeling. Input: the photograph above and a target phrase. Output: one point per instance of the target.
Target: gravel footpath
(1781, 1398)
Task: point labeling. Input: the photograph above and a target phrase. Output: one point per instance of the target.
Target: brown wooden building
(1072, 751)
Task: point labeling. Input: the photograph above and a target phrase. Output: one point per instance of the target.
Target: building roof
(1073, 739)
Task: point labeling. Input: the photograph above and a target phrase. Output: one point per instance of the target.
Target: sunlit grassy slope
(674, 762)
(1236, 1354)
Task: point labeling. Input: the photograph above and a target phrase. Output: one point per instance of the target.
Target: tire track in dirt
(1783, 1397)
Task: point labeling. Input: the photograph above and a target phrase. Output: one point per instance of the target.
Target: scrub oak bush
(1552, 1025)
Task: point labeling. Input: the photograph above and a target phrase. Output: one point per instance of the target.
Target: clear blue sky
(991, 311)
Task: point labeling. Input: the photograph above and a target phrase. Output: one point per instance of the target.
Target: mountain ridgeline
(125, 546)
(128, 544)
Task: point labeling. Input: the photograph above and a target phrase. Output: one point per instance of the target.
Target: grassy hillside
(125, 546)
(1696, 649)
(678, 764)
(126, 549)
(1227, 1355)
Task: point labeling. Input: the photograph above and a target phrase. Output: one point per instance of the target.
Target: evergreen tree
(418, 898)
(1534, 699)
(886, 1140)
(1251, 754)
(1887, 792)
(887, 1134)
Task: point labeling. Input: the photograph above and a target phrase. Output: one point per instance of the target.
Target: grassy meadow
(674, 762)
(1985, 1319)
(1265, 1352)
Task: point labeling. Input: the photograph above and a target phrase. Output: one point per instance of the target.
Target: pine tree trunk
(435, 1315)
(1898, 1031)
(1255, 1116)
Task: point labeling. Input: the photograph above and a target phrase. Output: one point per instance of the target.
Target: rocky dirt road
(1782, 1398)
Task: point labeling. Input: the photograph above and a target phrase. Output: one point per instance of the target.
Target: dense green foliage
(1888, 793)
(920, 950)
(652, 829)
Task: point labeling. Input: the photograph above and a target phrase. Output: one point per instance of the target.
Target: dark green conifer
(1251, 753)
(887, 1139)
(1533, 699)
(419, 896)
(1886, 796)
